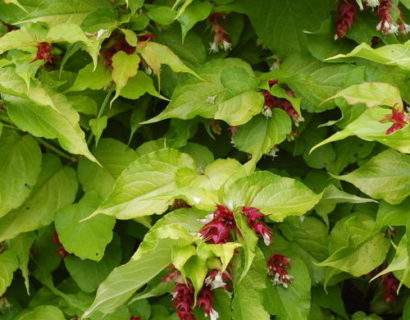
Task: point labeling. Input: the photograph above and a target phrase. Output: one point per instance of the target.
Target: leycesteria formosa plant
(195, 159)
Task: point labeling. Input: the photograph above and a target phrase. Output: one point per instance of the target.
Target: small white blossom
(266, 239)
(216, 282)
(372, 3)
(273, 153)
(226, 45)
(100, 33)
(214, 314)
(267, 112)
(213, 47)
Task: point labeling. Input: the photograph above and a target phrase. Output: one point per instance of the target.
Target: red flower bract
(253, 215)
(218, 230)
(44, 52)
(390, 286)
(278, 266)
(183, 300)
(346, 16)
(399, 118)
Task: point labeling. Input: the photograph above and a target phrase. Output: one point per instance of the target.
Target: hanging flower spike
(390, 286)
(385, 12)
(205, 300)
(272, 102)
(253, 215)
(277, 268)
(399, 118)
(221, 36)
(44, 52)
(345, 18)
(218, 228)
(183, 301)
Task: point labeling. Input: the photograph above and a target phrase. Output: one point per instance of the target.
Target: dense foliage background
(193, 159)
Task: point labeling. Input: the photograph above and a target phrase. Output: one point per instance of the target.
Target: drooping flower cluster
(221, 36)
(390, 285)
(278, 266)
(399, 118)
(272, 102)
(218, 226)
(44, 52)
(346, 15)
(384, 12)
(63, 253)
(183, 300)
(183, 295)
(254, 216)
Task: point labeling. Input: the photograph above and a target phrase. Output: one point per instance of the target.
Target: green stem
(55, 150)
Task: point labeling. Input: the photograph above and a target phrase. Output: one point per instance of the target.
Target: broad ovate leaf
(385, 176)
(371, 126)
(96, 232)
(20, 163)
(42, 120)
(144, 179)
(390, 55)
(260, 135)
(356, 246)
(372, 94)
(272, 194)
(228, 92)
(156, 54)
(56, 188)
(44, 312)
(114, 156)
(124, 66)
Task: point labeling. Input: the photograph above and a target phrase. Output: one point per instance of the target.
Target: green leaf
(248, 300)
(114, 157)
(274, 195)
(61, 11)
(368, 126)
(42, 312)
(385, 176)
(356, 245)
(195, 12)
(42, 120)
(96, 232)
(21, 246)
(20, 161)
(393, 215)
(145, 178)
(152, 256)
(260, 135)
(15, 39)
(391, 55)
(97, 126)
(88, 78)
(56, 188)
(156, 54)
(124, 66)
(8, 264)
(228, 93)
(286, 19)
(313, 80)
(138, 85)
(372, 94)
(89, 274)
